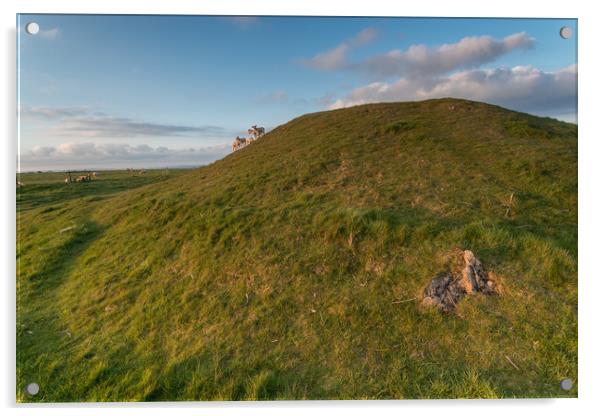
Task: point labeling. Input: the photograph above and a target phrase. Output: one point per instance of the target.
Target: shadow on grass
(37, 195)
(64, 258)
(212, 377)
(42, 341)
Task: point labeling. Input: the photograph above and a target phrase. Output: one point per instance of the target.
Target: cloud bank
(88, 155)
(422, 61)
(125, 127)
(94, 139)
(455, 70)
(52, 113)
(81, 122)
(523, 87)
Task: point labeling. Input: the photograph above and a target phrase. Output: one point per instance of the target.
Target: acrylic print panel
(265, 208)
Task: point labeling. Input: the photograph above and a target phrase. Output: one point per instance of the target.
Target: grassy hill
(278, 271)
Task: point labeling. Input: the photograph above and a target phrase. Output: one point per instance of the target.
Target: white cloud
(421, 61)
(455, 70)
(522, 87)
(336, 58)
(363, 38)
(81, 122)
(93, 155)
(120, 150)
(105, 126)
(90, 134)
(52, 112)
(519, 87)
(42, 151)
(332, 59)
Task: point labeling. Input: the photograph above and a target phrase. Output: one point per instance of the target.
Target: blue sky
(153, 91)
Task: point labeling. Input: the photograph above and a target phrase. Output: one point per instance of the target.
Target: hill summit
(288, 269)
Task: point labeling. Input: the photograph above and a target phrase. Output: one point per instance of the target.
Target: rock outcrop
(447, 288)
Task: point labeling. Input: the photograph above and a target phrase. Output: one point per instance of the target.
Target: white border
(590, 173)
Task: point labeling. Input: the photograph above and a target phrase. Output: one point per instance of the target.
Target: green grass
(48, 188)
(271, 274)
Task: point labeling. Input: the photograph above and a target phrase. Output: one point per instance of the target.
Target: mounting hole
(566, 384)
(32, 28)
(566, 32)
(33, 389)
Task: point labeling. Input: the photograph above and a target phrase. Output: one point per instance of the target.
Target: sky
(106, 92)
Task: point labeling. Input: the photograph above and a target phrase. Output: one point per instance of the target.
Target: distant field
(47, 188)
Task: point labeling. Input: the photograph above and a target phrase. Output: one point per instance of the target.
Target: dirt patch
(466, 276)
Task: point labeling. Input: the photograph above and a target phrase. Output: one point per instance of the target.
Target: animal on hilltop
(256, 132)
(239, 142)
